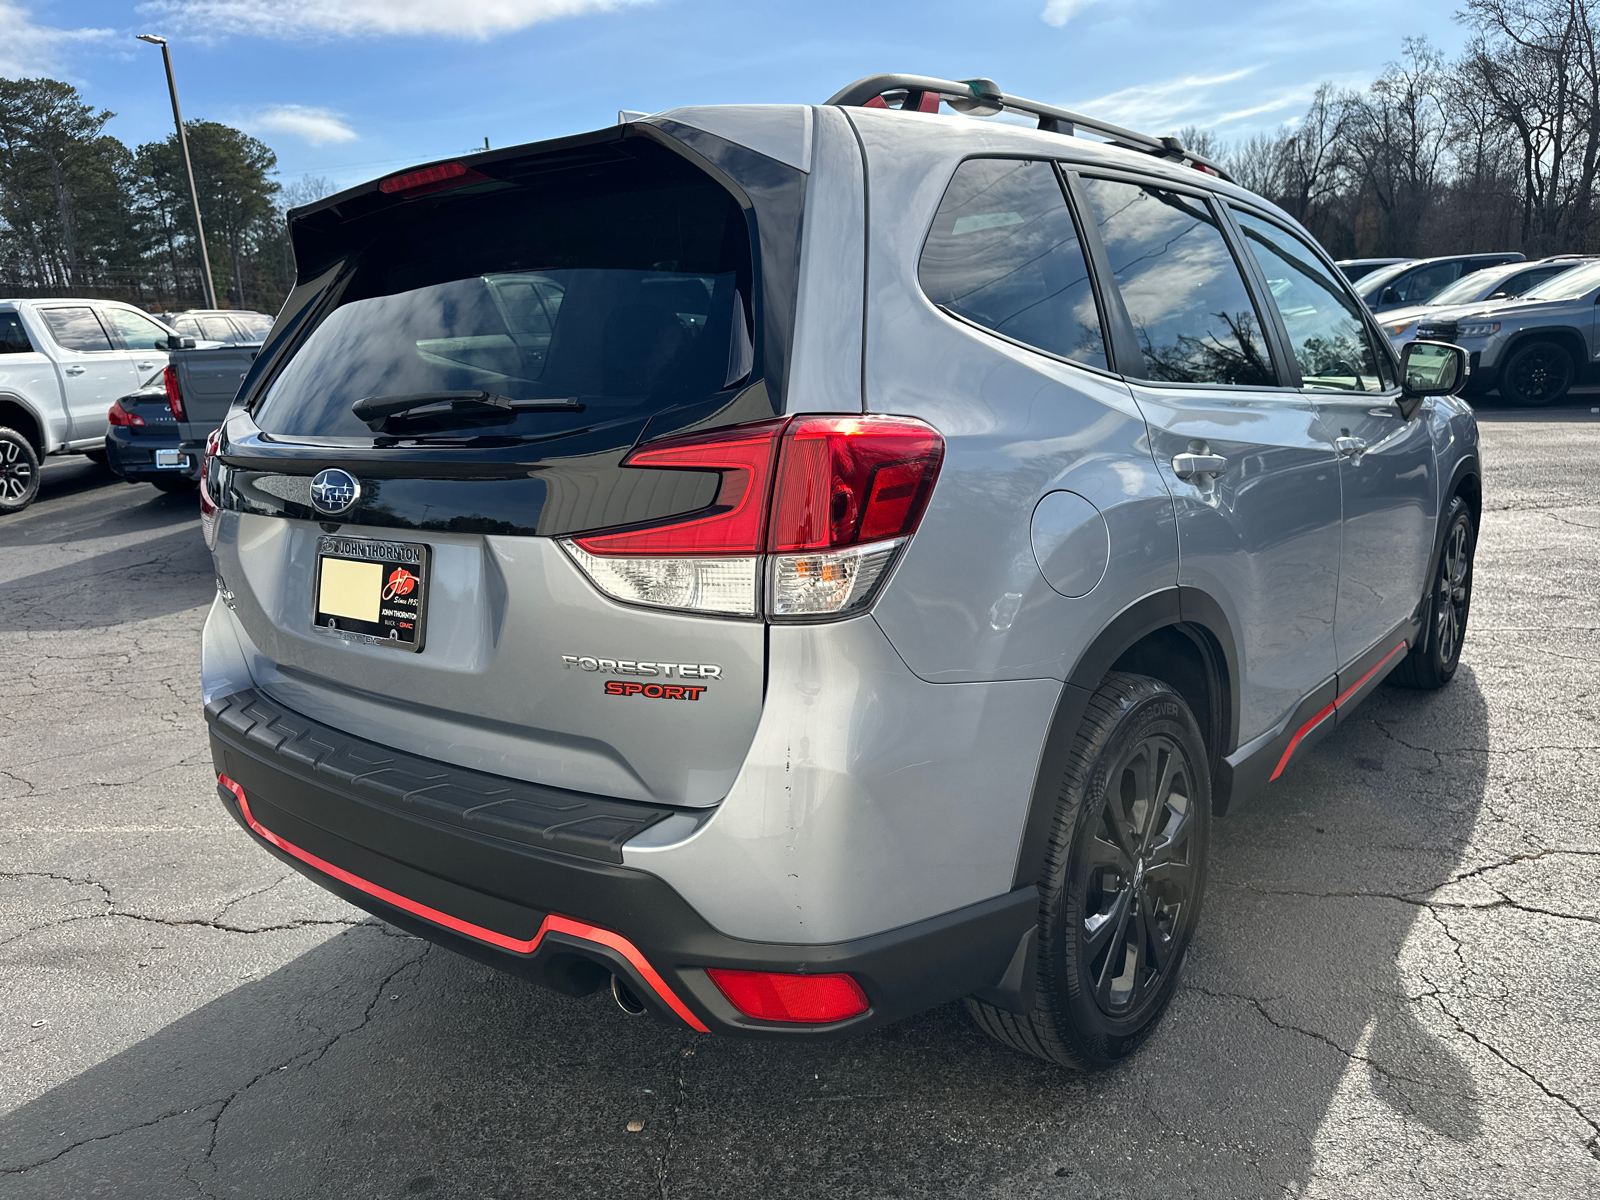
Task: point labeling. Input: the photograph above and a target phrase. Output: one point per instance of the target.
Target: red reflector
(431, 179)
(844, 480)
(734, 523)
(169, 380)
(121, 416)
(799, 999)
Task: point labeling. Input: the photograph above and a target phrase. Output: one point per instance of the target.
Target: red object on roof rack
(983, 98)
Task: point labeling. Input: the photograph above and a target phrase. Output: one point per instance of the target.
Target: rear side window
(1326, 331)
(138, 332)
(216, 329)
(1191, 313)
(253, 327)
(1425, 283)
(13, 337)
(1004, 253)
(626, 288)
(76, 329)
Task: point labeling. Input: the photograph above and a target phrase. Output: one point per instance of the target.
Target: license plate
(371, 591)
(172, 458)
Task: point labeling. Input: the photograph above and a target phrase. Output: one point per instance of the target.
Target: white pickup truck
(62, 364)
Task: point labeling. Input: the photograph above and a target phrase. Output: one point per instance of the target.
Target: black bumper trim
(552, 818)
(511, 887)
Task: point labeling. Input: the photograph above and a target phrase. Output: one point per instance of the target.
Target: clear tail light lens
(817, 508)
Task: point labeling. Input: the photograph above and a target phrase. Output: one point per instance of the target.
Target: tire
(1432, 662)
(19, 471)
(1536, 374)
(176, 485)
(1115, 884)
(98, 457)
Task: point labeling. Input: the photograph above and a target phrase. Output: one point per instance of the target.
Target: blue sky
(351, 89)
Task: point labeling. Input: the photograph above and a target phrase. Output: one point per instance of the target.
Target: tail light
(208, 503)
(798, 999)
(430, 179)
(169, 380)
(122, 417)
(817, 507)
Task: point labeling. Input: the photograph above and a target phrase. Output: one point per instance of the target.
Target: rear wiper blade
(376, 410)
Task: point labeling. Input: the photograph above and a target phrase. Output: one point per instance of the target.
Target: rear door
(548, 316)
(1249, 464)
(93, 370)
(140, 340)
(1387, 473)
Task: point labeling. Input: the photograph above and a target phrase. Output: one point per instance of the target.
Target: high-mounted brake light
(430, 179)
(798, 999)
(169, 380)
(826, 503)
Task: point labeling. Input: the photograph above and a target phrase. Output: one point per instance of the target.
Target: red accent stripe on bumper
(1322, 716)
(553, 923)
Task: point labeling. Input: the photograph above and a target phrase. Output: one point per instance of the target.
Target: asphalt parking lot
(1393, 992)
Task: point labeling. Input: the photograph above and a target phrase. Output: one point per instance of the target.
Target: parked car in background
(1355, 268)
(1505, 282)
(1533, 348)
(647, 603)
(1419, 280)
(61, 362)
(226, 326)
(157, 434)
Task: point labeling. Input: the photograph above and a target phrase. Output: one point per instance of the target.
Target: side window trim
(1127, 358)
(1369, 319)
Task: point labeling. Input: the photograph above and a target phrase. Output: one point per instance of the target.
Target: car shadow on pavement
(136, 581)
(371, 1065)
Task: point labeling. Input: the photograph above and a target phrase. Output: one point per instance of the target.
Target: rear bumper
(530, 880)
(135, 457)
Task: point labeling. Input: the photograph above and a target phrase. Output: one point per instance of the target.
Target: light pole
(183, 144)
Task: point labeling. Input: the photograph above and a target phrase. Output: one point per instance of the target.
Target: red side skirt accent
(553, 923)
(1322, 716)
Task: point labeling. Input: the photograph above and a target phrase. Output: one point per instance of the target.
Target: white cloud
(1059, 12)
(1165, 105)
(29, 49)
(354, 18)
(318, 126)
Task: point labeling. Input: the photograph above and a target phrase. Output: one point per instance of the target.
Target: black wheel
(1536, 374)
(19, 471)
(1124, 875)
(176, 485)
(1432, 662)
(98, 457)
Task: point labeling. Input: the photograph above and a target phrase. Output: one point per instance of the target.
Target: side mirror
(188, 344)
(1499, 295)
(1430, 369)
(1390, 296)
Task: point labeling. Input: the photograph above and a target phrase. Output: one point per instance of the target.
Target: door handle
(1350, 447)
(1198, 462)
(147, 366)
(74, 370)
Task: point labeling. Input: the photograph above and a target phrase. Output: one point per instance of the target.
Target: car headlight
(1481, 330)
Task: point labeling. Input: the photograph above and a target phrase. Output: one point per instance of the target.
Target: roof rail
(983, 98)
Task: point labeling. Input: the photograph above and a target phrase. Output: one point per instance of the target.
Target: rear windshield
(625, 288)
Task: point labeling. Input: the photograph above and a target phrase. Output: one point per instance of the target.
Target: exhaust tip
(626, 1000)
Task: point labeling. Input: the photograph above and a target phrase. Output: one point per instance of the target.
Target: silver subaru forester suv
(797, 566)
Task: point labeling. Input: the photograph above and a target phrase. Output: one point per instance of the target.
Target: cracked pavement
(1392, 992)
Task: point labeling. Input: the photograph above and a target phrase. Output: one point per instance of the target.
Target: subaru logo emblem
(333, 490)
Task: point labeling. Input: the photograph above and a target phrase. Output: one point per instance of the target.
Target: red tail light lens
(121, 416)
(430, 179)
(737, 517)
(844, 480)
(208, 503)
(844, 492)
(797, 999)
(169, 380)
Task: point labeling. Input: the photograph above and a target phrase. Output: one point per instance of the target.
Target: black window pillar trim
(1272, 327)
(1125, 356)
